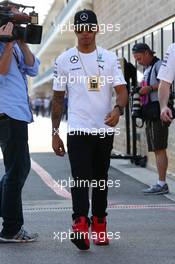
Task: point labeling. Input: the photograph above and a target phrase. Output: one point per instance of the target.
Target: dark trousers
(89, 157)
(14, 145)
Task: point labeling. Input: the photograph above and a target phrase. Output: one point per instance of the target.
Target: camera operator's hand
(28, 56)
(6, 29)
(166, 114)
(145, 90)
(6, 57)
(112, 118)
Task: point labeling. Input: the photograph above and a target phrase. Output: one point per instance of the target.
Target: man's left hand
(112, 118)
(166, 114)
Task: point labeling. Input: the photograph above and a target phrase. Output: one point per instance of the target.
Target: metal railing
(59, 18)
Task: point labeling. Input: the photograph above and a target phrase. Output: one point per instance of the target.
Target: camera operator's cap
(85, 17)
(6, 3)
(141, 48)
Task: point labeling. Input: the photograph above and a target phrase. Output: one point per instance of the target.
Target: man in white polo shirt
(89, 74)
(167, 76)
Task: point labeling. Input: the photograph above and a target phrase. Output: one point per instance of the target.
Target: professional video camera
(25, 25)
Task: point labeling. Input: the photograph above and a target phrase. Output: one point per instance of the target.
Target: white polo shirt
(87, 109)
(167, 69)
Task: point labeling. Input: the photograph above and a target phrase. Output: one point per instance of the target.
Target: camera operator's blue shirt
(14, 100)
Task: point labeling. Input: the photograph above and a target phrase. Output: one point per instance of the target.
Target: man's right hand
(57, 145)
(166, 114)
(6, 30)
(145, 90)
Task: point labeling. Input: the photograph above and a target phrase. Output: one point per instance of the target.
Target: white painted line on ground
(164, 207)
(49, 181)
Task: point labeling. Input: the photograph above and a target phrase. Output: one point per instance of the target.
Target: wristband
(121, 111)
(55, 131)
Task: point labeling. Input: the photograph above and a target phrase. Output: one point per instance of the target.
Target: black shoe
(157, 189)
(21, 237)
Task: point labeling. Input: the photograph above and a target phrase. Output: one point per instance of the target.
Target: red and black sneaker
(80, 234)
(98, 231)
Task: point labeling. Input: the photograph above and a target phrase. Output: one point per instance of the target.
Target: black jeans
(89, 157)
(14, 145)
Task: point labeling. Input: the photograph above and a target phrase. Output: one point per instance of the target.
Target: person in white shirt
(89, 74)
(167, 76)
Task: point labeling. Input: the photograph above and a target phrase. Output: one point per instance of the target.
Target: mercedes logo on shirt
(74, 59)
(84, 17)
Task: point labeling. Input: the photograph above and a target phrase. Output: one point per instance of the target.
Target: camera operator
(16, 61)
(156, 130)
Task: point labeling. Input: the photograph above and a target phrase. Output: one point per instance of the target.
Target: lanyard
(85, 72)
